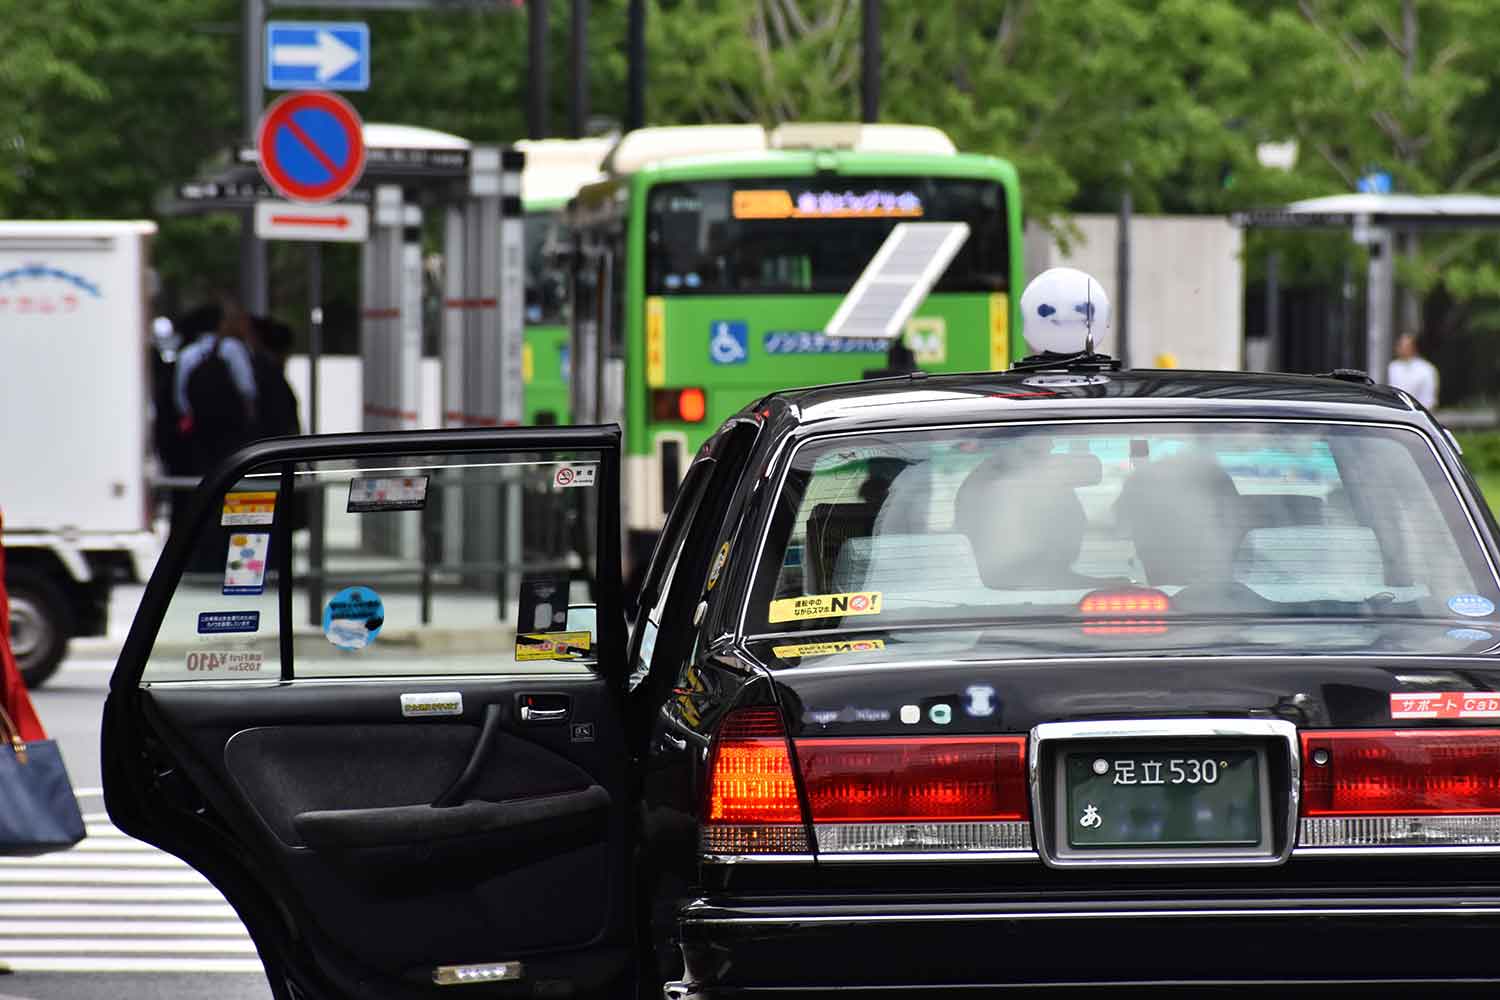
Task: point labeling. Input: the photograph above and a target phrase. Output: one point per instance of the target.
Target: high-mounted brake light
(1401, 787)
(752, 805)
(689, 406)
(1124, 612)
(961, 793)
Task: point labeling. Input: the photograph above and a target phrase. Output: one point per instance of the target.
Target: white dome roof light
(1065, 311)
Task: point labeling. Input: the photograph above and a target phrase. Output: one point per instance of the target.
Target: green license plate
(1201, 797)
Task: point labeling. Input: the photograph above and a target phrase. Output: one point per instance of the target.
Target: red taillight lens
(752, 805)
(680, 405)
(899, 780)
(1401, 772)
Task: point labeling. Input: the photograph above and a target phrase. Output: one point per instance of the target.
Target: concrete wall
(1187, 284)
(341, 393)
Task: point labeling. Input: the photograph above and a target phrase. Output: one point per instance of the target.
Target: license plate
(1197, 797)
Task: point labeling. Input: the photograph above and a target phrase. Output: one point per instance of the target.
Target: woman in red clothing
(13, 696)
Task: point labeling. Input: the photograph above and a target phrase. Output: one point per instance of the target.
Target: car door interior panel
(357, 806)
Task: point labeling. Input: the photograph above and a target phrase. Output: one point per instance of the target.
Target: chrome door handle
(529, 714)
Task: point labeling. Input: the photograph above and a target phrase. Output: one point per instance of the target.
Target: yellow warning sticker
(826, 648)
(656, 341)
(793, 609)
(249, 508)
(552, 645)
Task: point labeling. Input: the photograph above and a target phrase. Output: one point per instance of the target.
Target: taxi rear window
(1195, 519)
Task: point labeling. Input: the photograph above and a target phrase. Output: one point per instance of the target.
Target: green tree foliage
(103, 105)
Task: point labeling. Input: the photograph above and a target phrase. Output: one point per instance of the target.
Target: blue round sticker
(353, 618)
(1469, 634)
(1471, 605)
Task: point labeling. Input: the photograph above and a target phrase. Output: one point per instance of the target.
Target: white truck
(74, 450)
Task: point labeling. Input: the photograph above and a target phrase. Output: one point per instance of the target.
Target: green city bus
(555, 170)
(708, 261)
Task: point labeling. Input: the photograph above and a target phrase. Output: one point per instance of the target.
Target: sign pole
(252, 250)
(314, 359)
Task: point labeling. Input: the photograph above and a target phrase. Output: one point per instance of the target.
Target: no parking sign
(311, 146)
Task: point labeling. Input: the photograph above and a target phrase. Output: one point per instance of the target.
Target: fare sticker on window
(796, 609)
(248, 508)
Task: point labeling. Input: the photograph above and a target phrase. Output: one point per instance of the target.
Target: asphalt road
(70, 705)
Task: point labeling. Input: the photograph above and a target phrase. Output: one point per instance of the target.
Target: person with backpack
(216, 392)
(216, 395)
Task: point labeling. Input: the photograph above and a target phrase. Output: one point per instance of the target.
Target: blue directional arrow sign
(312, 55)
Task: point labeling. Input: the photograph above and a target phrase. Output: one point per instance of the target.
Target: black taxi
(1057, 677)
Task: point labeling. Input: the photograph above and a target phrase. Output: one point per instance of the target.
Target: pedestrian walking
(1412, 372)
(276, 409)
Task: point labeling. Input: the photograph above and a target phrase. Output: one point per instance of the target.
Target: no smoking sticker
(568, 476)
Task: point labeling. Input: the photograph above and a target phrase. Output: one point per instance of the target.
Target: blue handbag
(38, 810)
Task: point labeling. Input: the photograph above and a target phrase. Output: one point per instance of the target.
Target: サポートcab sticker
(793, 609)
(552, 645)
(353, 618)
(248, 508)
(1445, 705)
(826, 648)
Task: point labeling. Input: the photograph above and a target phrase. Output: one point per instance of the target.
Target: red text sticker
(1446, 705)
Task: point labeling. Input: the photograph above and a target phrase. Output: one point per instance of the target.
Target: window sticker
(1471, 605)
(369, 495)
(220, 622)
(248, 508)
(225, 662)
(849, 713)
(1446, 705)
(827, 648)
(570, 475)
(718, 566)
(245, 564)
(792, 609)
(543, 602)
(1469, 634)
(353, 618)
(552, 645)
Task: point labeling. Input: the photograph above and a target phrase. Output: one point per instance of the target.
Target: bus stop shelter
(477, 192)
(1373, 221)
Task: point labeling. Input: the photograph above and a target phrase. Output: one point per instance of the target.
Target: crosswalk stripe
(115, 904)
(127, 963)
(121, 928)
(77, 858)
(104, 946)
(38, 910)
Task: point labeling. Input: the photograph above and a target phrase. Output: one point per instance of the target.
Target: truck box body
(73, 376)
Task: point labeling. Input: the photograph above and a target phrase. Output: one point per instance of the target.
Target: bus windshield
(788, 235)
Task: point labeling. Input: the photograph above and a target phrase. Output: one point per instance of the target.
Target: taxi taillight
(752, 805)
(916, 794)
(866, 795)
(1400, 787)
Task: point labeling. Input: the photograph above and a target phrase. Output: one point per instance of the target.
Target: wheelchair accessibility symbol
(728, 342)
